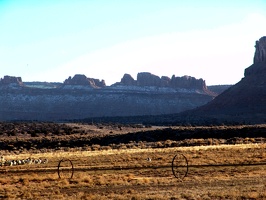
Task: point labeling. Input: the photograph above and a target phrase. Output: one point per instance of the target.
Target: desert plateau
(145, 138)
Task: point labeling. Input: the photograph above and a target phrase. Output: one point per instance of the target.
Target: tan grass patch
(103, 179)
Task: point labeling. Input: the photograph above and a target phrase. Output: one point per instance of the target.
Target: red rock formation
(259, 64)
(80, 79)
(11, 79)
(260, 54)
(246, 100)
(165, 81)
(188, 82)
(127, 80)
(148, 79)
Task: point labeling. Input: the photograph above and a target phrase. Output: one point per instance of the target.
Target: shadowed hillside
(246, 100)
(242, 103)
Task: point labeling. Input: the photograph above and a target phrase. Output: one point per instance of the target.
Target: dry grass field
(140, 172)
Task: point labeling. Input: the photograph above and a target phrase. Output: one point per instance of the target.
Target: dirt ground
(214, 172)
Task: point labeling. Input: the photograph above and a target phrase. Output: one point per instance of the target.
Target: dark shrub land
(36, 136)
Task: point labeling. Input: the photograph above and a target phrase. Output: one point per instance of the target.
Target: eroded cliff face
(148, 79)
(259, 64)
(260, 53)
(80, 79)
(246, 100)
(81, 97)
(11, 80)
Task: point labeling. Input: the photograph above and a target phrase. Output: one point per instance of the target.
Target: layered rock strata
(81, 97)
(148, 79)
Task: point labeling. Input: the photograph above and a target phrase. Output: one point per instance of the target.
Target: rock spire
(260, 53)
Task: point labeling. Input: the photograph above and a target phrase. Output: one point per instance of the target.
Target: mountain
(244, 102)
(81, 97)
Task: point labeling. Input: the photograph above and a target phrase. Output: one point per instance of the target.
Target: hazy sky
(50, 40)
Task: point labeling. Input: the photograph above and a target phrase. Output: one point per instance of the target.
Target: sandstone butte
(244, 102)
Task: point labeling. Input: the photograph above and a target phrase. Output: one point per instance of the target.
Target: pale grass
(59, 154)
(201, 183)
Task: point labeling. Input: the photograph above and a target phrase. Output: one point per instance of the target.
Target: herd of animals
(27, 161)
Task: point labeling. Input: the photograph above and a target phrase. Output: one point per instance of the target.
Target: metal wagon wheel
(180, 166)
(65, 169)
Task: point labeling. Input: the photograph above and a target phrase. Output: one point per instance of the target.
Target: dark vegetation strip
(52, 136)
(176, 119)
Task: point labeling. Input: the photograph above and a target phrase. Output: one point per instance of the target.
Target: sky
(50, 40)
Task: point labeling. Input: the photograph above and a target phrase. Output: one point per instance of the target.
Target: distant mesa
(143, 79)
(81, 97)
(80, 79)
(148, 79)
(7, 80)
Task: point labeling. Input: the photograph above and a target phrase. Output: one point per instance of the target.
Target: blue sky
(53, 39)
